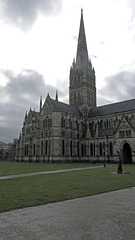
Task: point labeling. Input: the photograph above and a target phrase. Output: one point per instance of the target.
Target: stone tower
(82, 89)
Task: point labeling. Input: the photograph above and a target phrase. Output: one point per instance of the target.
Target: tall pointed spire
(82, 59)
(82, 89)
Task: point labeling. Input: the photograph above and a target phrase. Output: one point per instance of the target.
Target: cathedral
(79, 131)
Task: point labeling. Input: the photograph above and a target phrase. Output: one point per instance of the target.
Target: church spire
(82, 59)
(82, 89)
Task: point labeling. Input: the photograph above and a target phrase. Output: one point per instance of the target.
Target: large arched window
(82, 150)
(42, 147)
(70, 124)
(34, 149)
(46, 147)
(78, 152)
(91, 149)
(107, 123)
(62, 125)
(26, 149)
(94, 149)
(100, 149)
(111, 148)
(71, 148)
(63, 147)
(104, 148)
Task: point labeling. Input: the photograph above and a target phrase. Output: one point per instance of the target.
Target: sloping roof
(124, 106)
(67, 108)
(106, 132)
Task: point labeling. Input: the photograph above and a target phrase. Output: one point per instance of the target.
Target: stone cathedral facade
(79, 131)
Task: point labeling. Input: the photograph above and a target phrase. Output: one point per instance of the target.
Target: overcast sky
(38, 43)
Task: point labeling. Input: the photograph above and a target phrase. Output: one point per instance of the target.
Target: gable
(67, 108)
(125, 128)
(48, 106)
(124, 124)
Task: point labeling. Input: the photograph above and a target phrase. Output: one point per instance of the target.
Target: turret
(56, 98)
(40, 103)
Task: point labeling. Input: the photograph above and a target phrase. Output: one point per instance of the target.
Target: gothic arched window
(46, 147)
(63, 147)
(34, 149)
(82, 150)
(71, 148)
(111, 148)
(26, 149)
(91, 149)
(78, 152)
(62, 122)
(94, 149)
(41, 147)
(100, 149)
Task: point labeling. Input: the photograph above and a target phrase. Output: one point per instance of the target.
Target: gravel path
(106, 216)
(49, 172)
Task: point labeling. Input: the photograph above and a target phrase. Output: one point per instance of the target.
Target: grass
(43, 189)
(14, 168)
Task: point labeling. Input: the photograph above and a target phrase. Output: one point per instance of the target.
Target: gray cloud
(63, 91)
(21, 92)
(131, 4)
(23, 13)
(118, 87)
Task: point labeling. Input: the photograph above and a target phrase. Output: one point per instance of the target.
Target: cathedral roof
(106, 132)
(113, 108)
(67, 108)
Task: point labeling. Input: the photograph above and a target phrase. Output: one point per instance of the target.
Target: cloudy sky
(38, 42)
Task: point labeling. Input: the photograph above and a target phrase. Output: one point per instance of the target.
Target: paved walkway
(106, 216)
(49, 172)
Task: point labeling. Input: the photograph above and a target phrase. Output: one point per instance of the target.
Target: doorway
(127, 155)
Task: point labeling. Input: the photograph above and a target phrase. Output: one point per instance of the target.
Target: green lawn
(42, 189)
(13, 168)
